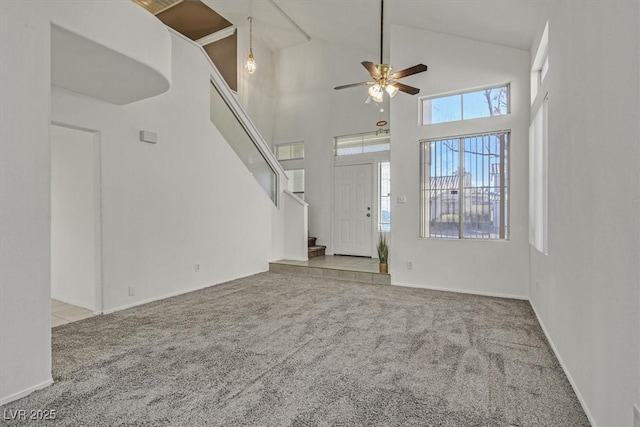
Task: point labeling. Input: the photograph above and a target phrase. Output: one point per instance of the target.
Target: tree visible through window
(493, 101)
(464, 187)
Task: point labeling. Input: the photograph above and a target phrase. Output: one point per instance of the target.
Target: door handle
(368, 214)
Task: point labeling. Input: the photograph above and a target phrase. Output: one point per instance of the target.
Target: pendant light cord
(250, 35)
(381, 28)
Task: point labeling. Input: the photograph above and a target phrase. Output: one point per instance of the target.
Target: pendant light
(251, 62)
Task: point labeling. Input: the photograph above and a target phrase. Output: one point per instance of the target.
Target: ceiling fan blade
(353, 85)
(420, 68)
(372, 69)
(407, 89)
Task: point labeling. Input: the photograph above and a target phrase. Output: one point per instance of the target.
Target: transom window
(464, 187)
(362, 143)
(493, 101)
(291, 151)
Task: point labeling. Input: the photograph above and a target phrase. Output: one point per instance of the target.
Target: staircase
(313, 249)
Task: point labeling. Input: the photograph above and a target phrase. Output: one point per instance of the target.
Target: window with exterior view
(464, 187)
(488, 102)
(384, 205)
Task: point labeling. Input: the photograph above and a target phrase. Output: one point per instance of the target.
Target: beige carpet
(275, 349)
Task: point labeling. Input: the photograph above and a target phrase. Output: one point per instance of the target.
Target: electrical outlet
(132, 291)
(197, 268)
(409, 265)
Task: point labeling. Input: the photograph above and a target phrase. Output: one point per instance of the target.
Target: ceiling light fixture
(384, 80)
(251, 61)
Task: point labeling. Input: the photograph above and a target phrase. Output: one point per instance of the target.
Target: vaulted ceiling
(357, 22)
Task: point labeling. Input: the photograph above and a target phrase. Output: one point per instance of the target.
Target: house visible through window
(464, 187)
(384, 205)
(493, 101)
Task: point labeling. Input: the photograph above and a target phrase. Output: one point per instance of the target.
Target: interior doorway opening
(76, 268)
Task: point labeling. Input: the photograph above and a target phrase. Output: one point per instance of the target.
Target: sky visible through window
(465, 187)
(481, 154)
(466, 106)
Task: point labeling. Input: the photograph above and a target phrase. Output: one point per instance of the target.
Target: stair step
(311, 241)
(316, 250)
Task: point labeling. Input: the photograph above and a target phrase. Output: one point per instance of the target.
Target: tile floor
(338, 262)
(63, 313)
(355, 269)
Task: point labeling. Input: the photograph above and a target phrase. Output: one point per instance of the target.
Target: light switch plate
(148, 136)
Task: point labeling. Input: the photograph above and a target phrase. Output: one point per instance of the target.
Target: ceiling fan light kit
(383, 80)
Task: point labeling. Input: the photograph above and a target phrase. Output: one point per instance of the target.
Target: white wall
(309, 110)
(256, 92)
(174, 204)
(24, 201)
(73, 237)
(295, 230)
(495, 268)
(165, 207)
(587, 290)
(25, 206)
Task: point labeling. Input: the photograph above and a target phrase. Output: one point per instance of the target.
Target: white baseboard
(462, 291)
(23, 393)
(564, 367)
(158, 298)
(173, 294)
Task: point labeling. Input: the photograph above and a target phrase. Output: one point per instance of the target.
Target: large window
(538, 147)
(538, 179)
(384, 204)
(464, 188)
(493, 101)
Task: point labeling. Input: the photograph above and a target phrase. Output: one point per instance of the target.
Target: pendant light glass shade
(250, 65)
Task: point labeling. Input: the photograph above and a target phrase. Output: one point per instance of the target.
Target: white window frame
(505, 211)
(381, 196)
(423, 99)
(290, 145)
(540, 67)
(368, 139)
(539, 147)
(538, 179)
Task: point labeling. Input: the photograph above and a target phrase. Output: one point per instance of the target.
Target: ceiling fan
(383, 78)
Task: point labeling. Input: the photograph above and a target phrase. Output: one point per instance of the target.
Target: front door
(352, 210)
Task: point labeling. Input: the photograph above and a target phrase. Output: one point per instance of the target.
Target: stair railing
(241, 133)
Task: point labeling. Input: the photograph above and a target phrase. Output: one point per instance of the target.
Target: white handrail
(233, 103)
(295, 197)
